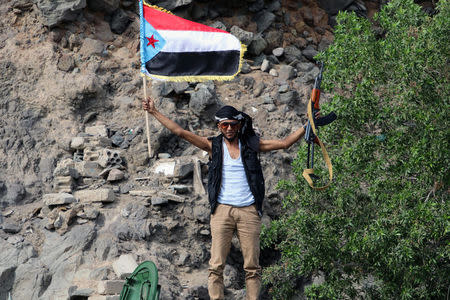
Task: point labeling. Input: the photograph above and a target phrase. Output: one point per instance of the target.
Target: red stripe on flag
(164, 21)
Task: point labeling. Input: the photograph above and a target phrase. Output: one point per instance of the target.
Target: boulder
(66, 167)
(264, 20)
(256, 5)
(15, 193)
(274, 40)
(124, 266)
(286, 72)
(107, 6)
(309, 53)
(56, 12)
(58, 199)
(66, 63)
(292, 53)
(257, 45)
(266, 65)
(98, 195)
(115, 175)
(204, 102)
(91, 47)
(245, 37)
(278, 52)
(119, 21)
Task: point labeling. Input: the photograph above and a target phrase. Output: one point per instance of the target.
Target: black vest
(252, 168)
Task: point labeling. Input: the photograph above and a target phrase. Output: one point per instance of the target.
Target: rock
(110, 287)
(258, 88)
(76, 293)
(292, 53)
(204, 102)
(63, 184)
(107, 6)
(180, 87)
(264, 20)
(162, 88)
(9, 227)
(308, 77)
(66, 167)
(256, 5)
(15, 239)
(88, 169)
(266, 65)
(286, 72)
(98, 130)
(274, 6)
(201, 213)
(78, 143)
(91, 47)
(245, 69)
(257, 45)
(66, 63)
(143, 193)
(304, 67)
(273, 72)
(230, 277)
(199, 11)
(245, 37)
(117, 139)
(278, 52)
(283, 89)
(309, 53)
(101, 273)
(15, 193)
(124, 266)
(288, 98)
(88, 212)
(98, 195)
(218, 25)
(172, 197)
(173, 4)
(119, 21)
(274, 40)
(267, 99)
(58, 199)
(199, 292)
(115, 175)
(156, 201)
(248, 83)
(56, 12)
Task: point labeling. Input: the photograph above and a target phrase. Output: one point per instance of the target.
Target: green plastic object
(142, 284)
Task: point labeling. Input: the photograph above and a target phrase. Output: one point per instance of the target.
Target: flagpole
(146, 120)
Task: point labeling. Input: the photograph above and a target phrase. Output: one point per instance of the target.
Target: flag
(176, 49)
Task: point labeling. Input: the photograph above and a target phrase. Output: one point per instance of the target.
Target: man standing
(235, 190)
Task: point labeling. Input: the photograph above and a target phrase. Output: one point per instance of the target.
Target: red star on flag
(152, 41)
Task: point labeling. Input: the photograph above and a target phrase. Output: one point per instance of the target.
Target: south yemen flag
(176, 49)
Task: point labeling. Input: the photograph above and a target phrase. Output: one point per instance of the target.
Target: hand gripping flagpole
(149, 146)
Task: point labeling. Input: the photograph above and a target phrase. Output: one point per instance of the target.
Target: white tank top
(234, 190)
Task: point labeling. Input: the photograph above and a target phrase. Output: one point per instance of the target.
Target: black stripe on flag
(221, 63)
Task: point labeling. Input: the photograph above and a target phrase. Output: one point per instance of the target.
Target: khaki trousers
(247, 224)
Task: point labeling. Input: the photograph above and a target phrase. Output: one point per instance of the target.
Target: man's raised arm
(196, 140)
(269, 145)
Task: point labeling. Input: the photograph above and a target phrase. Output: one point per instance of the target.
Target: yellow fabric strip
(157, 7)
(308, 172)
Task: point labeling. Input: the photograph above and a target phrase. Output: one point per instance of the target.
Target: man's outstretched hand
(149, 105)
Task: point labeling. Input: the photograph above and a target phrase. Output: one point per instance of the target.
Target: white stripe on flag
(198, 41)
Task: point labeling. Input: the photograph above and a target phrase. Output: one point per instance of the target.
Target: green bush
(381, 231)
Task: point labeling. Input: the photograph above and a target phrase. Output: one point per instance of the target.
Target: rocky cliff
(81, 201)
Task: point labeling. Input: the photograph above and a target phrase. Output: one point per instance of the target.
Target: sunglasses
(224, 125)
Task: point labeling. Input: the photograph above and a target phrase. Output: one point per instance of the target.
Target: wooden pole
(150, 155)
